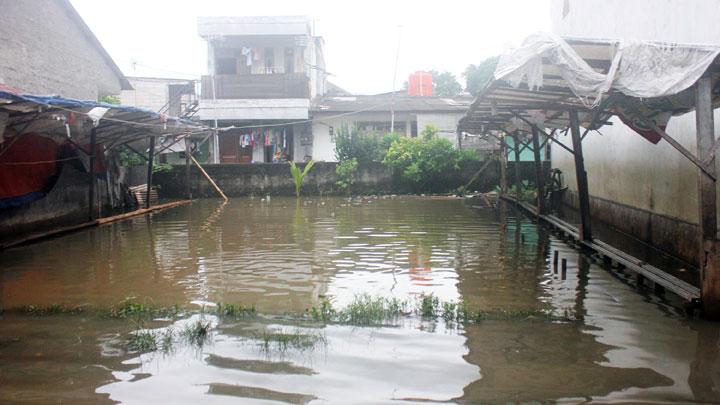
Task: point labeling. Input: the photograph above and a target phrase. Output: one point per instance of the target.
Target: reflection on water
(285, 256)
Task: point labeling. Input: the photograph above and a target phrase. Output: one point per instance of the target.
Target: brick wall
(43, 51)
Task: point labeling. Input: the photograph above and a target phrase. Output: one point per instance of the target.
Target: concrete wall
(623, 168)
(275, 179)
(149, 92)
(44, 52)
(65, 204)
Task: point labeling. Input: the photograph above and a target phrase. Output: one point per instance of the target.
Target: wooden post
(539, 175)
(518, 184)
(709, 269)
(581, 176)
(188, 151)
(503, 168)
(151, 156)
(91, 171)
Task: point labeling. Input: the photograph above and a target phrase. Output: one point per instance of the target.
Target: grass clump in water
(142, 341)
(324, 312)
(197, 333)
(368, 310)
(235, 310)
(429, 306)
(297, 339)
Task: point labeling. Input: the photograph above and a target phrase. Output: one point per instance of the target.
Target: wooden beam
(207, 176)
(503, 167)
(709, 266)
(539, 174)
(151, 154)
(675, 144)
(91, 172)
(188, 152)
(518, 185)
(581, 176)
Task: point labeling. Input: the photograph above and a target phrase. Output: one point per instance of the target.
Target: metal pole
(710, 292)
(91, 180)
(151, 154)
(581, 176)
(539, 175)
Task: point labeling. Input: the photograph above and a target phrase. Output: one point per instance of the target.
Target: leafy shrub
(428, 163)
(352, 142)
(346, 172)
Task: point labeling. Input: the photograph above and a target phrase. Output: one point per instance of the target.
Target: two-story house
(262, 74)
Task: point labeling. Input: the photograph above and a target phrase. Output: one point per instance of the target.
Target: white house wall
(254, 109)
(622, 166)
(445, 123)
(323, 147)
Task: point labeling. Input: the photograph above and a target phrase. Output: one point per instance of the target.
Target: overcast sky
(361, 37)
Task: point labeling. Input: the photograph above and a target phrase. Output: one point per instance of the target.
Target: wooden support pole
(518, 185)
(539, 174)
(207, 176)
(585, 230)
(91, 171)
(709, 267)
(503, 168)
(151, 155)
(188, 152)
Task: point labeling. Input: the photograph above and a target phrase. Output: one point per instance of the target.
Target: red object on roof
(420, 84)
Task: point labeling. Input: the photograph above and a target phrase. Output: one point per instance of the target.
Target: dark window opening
(413, 129)
(289, 60)
(226, 66)
(269, 60)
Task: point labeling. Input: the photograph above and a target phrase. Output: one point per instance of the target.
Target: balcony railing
(286, 85)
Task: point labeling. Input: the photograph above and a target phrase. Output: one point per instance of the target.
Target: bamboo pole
(89, 224)
(207, 176)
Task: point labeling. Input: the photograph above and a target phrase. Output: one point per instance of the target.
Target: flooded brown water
(608, 343)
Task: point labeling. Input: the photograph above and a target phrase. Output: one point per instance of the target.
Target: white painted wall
(621, 165)
(323, 148)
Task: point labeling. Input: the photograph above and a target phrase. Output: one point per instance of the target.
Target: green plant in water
(297, 339)
(324, 312)
(367, 310)
(429, 305)
(299, 176)
(142, 341)
(197, 333)
(233, 310)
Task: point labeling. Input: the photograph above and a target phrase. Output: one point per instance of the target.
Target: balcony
(285, 85)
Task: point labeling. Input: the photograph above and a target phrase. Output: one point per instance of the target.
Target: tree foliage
(351, 142)
(428, 163)
(477, 76)
(445, 84)
(346, 171)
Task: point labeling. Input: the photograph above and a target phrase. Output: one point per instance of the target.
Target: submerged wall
(275, 179)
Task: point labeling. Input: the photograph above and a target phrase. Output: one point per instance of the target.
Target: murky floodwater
(607, 343)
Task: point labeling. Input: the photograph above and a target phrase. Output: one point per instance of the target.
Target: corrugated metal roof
(384, 102)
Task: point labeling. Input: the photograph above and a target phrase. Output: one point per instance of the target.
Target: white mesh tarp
(637, 69)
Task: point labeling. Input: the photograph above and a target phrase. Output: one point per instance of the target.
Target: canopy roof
(540, 81)
(115, 124)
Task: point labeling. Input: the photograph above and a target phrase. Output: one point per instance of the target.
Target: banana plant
(299, 176)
